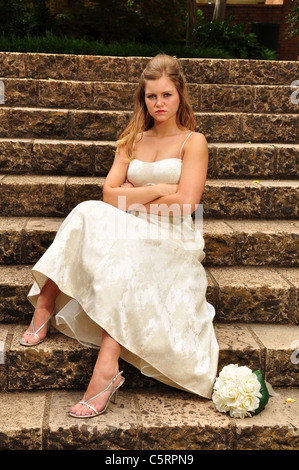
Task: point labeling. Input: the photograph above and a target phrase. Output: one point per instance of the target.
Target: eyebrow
(152, 93)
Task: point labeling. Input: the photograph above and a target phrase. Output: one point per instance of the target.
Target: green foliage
(51, 43)
(293, 20)
(230, 37)
(120, 27)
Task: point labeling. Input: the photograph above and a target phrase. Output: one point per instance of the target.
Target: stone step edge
(129, 112)
(102, 95)
(145, 421)
(99, 180)
(84, 66)
(227, 242)
(116, 82)
(238, 293)
(58, 195)
(271, 348)
(113, 143)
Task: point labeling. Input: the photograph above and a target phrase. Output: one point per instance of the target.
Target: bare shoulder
(196, 145)
(198, 138)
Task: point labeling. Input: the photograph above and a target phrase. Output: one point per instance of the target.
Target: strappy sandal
(112, 397)
(35, 333)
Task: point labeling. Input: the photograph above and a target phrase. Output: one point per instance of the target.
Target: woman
(125, 274)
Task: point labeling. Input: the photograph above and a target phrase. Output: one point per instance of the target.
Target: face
(162, 99)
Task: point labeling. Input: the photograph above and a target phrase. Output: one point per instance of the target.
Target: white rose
(230, 392)
(239, 412)
(243, 372)
(228, 372)
(251, 386)
(220, 402)
(250, 403)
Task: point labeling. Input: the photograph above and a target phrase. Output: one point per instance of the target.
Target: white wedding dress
(139, 277)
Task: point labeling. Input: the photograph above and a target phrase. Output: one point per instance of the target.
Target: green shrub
(230, 37)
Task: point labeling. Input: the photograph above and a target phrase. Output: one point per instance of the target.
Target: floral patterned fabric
(139, 277)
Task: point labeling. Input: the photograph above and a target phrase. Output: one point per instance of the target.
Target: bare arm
(131, 197)
(191, 184)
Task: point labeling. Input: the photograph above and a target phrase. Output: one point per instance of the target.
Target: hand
(127, 184)
(168, 189)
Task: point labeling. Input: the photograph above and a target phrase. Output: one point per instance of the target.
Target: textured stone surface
(117, 429)
(220, 243)
(58, 362)
(108, 125)
(233, 198)
(72, 157)
(252, 294)
(292, 277)
(274, 99)
(244, 160)
(181, 421)
(140, 421)
(79, 190)
(287, 161)
(237, 345)
(76, 67)
(262, 242)
(280, 198)
(37, 236)
(269, 128)
(11, 239)
(226, 98)
(33, 195)
(24, 431)
(65, 94)
(281, 344)
(276, 428)
(33, 122)
(15, 282)
(15, 156)
(104, 125)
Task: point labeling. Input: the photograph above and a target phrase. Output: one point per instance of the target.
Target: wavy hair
(159, 66)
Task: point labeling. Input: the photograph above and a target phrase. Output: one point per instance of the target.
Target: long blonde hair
(141, 120)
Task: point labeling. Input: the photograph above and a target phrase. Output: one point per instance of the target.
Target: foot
(95, 386)
(40, 316)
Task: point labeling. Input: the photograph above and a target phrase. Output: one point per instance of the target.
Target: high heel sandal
(35, 333)
(112, 397)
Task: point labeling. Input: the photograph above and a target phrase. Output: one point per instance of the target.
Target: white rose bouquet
(240, 392)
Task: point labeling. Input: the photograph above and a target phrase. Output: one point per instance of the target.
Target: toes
(81, 410)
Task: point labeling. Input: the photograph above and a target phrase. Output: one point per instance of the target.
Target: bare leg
(44, 308)
(105, 369)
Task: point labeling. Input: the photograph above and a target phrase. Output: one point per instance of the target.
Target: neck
(162, 129)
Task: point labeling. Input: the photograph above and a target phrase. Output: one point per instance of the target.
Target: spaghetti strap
(184, 143)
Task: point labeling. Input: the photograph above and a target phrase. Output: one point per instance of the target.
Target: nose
(159, 101)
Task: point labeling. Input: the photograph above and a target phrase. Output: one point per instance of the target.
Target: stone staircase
(58, 127)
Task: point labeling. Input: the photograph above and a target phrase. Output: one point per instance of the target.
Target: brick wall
(261, 13)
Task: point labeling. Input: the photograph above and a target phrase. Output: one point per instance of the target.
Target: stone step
(107, 125)
(105, 95)
(145, 421)
(227, 242)
(62, 363)
(54, 196)
(128, 69)
(248, 294)
(94, 158)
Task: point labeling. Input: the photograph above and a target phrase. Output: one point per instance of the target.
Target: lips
(160, 111)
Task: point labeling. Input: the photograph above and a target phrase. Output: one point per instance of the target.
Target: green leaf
(263, 390)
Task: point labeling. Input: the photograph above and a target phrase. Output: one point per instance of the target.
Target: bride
(124, 275)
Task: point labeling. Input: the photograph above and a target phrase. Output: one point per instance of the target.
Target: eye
(167, 95)
(150, 96)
